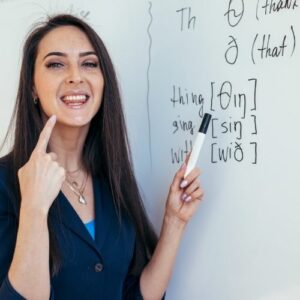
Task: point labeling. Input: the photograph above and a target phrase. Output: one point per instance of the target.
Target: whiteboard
(236, 59)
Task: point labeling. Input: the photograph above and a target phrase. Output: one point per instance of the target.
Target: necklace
(73, 172)
(73, 185)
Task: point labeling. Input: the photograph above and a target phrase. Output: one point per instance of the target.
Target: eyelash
(54, 65)
(91, 64)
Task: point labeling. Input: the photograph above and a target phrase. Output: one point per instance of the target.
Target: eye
(90, 64)
(54, 65)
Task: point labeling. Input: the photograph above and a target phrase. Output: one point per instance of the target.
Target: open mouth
(75, 101)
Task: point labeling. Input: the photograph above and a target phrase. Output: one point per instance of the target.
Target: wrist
(174, 222)
(27, 210)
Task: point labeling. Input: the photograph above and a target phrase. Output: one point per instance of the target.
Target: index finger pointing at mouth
(46, 134)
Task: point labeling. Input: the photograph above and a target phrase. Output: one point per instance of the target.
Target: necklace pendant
(82, 200)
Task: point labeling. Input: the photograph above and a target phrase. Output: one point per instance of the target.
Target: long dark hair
(106, 152)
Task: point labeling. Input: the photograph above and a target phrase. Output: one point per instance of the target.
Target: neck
(67, 143)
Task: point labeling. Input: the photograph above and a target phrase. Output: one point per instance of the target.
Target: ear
(34, 93)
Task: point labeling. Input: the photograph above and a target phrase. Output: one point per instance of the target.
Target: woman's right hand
(41, 178)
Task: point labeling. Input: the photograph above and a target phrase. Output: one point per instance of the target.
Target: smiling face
(67, 77)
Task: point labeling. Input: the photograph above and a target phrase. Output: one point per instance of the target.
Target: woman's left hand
(185, 194)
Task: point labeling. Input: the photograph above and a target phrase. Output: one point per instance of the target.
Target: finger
(196, 195)
(46, 134)
(53, 155)
(194, 174)
(186, 161)
(192, 187)
(190, 178)
(178, 178)
(62, 173)
(188, 157)
(180, 173)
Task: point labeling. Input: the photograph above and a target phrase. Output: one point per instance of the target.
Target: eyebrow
(56, 53)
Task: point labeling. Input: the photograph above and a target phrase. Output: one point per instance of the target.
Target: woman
(72, 224)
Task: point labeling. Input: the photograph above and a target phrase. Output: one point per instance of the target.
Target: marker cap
(205, 123)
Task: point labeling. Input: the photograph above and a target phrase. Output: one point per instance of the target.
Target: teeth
(75, 98)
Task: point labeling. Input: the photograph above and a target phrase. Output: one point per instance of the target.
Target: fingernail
(189, 198)
(183, 183)
(183, 166)
(183, 196)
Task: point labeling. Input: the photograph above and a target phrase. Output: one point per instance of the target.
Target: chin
(74, 121)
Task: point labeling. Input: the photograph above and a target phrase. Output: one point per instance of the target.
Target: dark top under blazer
(91, 269)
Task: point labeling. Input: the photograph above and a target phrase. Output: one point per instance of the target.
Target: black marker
(198, 144)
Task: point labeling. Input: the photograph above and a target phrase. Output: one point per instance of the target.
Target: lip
(75, 104)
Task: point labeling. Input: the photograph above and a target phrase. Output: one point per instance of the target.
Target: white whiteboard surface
(244, 242)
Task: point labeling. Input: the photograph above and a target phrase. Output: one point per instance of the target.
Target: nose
(74, 76)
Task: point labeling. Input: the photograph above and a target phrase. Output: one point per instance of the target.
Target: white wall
(244, 241)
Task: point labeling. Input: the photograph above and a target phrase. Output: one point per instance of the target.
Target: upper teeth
(77, 97)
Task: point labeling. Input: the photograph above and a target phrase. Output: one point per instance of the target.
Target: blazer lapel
(105, 216)
(72, 221)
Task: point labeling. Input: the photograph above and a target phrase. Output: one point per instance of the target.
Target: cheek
(98, 89)
(44, 85)
(45, 89)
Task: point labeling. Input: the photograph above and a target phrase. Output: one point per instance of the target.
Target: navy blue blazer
(91, 269)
